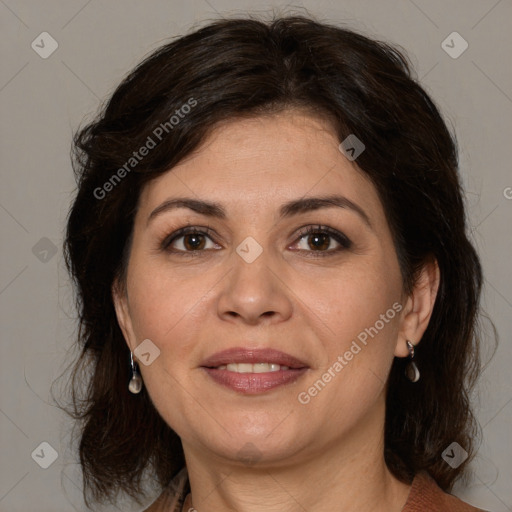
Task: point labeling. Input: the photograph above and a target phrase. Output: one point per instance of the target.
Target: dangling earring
(411, 370)
(135, 384)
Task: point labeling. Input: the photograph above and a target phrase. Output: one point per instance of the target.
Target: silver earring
(135, 384)
(411, 370)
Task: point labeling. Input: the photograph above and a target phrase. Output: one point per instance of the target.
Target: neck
(348, 475)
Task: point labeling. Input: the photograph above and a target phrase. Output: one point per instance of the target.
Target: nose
(255, 292)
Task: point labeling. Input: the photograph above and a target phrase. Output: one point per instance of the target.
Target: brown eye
(188, 240)
(193, 242)
(319, 241)
(322, 240)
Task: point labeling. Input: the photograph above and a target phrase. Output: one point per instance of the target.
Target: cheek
(363, 322)
(162, 299)
(352, 298)
(357, 312)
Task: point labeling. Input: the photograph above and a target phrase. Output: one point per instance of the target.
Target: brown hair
(248, 67)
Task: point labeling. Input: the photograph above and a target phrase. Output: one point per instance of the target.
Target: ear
(419, 307)
(122, 307)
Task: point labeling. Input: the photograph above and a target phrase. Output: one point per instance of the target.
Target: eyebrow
(295, 207)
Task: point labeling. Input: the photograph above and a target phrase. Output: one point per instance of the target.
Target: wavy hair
(248, 67)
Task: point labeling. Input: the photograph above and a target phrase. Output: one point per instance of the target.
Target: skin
(323, 455)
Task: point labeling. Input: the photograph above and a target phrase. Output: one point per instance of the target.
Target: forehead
(265, 160)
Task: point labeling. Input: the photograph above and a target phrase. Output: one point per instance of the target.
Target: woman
(278, 298)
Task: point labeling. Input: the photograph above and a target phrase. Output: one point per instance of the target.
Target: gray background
(42, 101)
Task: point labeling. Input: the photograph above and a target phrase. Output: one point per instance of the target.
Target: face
(270, 273)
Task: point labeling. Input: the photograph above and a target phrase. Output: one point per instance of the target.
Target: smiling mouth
(253, 371)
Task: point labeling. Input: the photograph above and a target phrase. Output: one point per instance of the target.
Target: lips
(241, 355)
(253, 371)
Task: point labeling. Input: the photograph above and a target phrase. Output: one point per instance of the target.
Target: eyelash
(344, 242)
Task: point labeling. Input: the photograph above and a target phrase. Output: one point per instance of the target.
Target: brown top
(425, 496)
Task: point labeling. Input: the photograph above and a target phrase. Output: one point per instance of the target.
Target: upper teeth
(252, 368)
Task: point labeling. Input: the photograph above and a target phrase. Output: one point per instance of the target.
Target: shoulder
(425, 495)
(173, 496)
